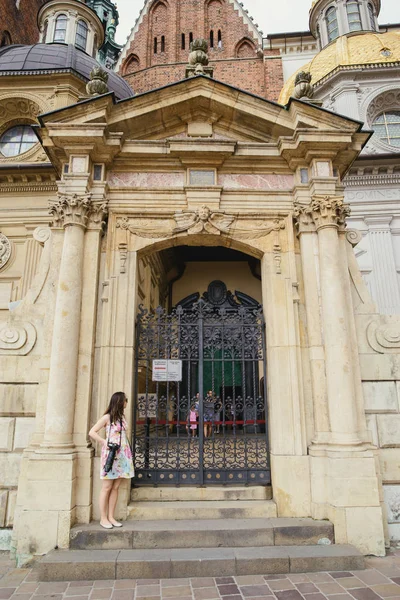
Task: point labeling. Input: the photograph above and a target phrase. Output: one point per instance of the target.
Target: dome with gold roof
(349, 52)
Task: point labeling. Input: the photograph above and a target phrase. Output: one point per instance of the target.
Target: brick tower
(157, 50)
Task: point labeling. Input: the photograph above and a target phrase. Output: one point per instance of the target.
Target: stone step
(67, 565)
(198, 494)
(208, 533)
(207, 509)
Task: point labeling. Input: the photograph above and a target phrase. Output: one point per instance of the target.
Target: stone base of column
(345, 489)
(291, 485)
(46, 503)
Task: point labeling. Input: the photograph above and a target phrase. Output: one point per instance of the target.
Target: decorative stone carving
(303, 87)
(71, 209)
(202, 220)
(16, 338)
(198, 59)
(42, 234)
(146, 227)
(14, 107)
(389, 100)
(123, 255)
(353, 236)
(383, 334)
(98, 82)
(303, 218)
(328, 211)
(5, 250)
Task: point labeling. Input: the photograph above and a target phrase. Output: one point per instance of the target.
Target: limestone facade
(97, 248)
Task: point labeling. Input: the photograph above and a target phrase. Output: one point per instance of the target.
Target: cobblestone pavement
(381, 580)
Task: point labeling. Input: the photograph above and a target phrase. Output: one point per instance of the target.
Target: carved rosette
(303, 218)
(5, 250)
(328, 211)
(71, 209)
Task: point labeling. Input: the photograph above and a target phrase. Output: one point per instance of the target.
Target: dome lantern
(330, 19)
(71, 22)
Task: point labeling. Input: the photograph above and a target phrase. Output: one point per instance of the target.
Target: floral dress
(123, 464)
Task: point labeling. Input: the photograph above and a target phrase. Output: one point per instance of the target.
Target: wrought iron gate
(209, 424)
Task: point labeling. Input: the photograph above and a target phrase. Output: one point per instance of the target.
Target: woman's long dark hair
(116, 407)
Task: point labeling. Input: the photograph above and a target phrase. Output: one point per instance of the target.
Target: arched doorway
(200, 414)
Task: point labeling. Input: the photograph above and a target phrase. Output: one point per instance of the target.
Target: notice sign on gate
(167, 370)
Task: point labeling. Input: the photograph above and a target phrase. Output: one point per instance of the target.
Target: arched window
(387, 127)
(44, 35)
(219, 39)
(183, 44)
(332, 23)
(5, 39)
(17, 140)
(95, 44)
(353, 15)
(155, 46)
(371, 16)
(81, 35)
(190, 38)
(162, 43)
(211, 39)
(60, 30)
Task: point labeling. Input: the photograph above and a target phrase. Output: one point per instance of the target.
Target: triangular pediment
(200, 109)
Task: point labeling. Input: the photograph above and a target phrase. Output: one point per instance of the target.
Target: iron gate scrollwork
(210, 427)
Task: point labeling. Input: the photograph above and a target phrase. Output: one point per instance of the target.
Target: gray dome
(56, 58)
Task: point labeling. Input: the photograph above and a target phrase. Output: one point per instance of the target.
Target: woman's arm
(93, 433)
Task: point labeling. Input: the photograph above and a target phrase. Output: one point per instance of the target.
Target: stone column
(384, 274)
(309, 260)
(72, 212)
(329, 214)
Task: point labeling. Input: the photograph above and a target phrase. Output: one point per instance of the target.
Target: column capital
(329, 211)
(74, 209)
(303, 218)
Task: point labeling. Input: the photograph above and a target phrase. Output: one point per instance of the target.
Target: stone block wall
(15, 433)
(382, 407)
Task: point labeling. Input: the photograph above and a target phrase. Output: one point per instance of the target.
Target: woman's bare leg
(112, 503)
(104, 500)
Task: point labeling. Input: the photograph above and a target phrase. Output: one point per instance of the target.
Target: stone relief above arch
(204, 221)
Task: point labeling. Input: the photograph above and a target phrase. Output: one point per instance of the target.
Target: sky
(292, 15)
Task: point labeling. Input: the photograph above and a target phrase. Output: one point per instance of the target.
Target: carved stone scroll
(5, 250)
(16, 338)
(383, 334)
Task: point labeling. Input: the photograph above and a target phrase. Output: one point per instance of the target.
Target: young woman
(114, 422)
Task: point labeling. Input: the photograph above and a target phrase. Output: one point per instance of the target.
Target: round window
(387, 127)
(17, 140)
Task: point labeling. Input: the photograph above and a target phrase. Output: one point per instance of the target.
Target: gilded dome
(351, 50)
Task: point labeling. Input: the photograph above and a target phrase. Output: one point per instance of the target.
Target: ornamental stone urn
(198, 59)
(98, 82)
